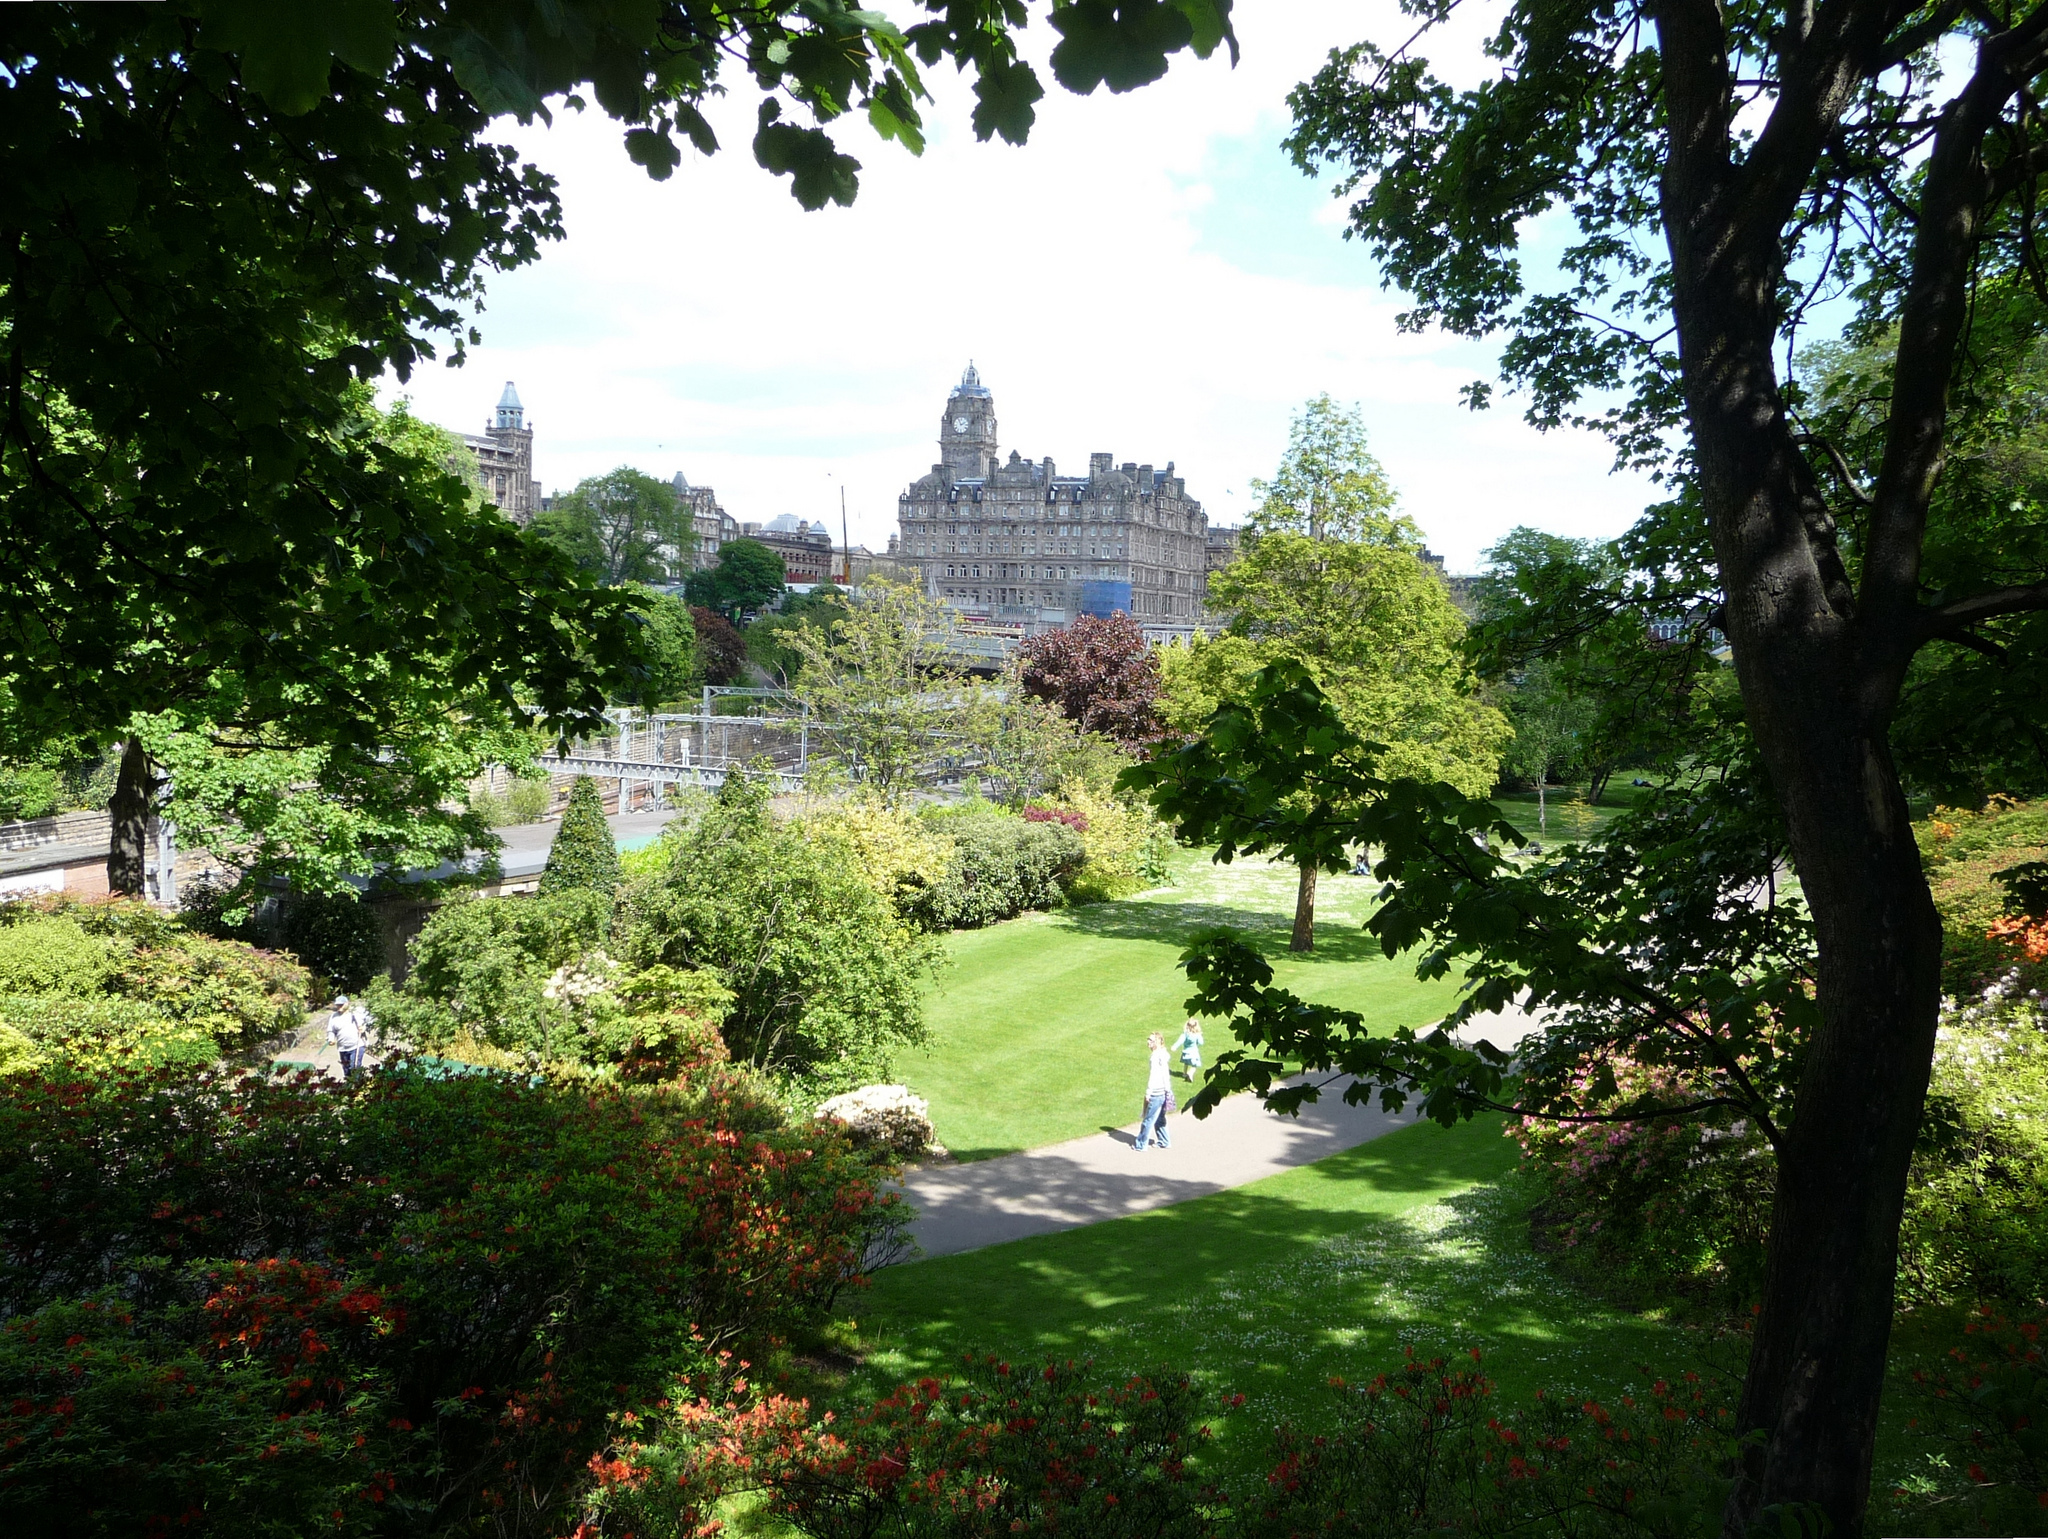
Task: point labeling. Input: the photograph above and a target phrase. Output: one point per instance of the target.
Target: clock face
(959, 424)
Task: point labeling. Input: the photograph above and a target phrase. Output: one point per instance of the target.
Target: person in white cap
(345, 1023)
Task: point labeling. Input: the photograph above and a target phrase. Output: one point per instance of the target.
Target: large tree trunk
(134, 793)
(1818, 686)
(1818, 683)
(1816, 1366)
(1820, 665)
(1304, 938)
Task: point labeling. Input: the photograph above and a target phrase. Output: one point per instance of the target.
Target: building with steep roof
(1015, 541)
(713, 525)
(504, 458)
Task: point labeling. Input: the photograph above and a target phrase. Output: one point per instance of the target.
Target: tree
(621, 527)
(747, 576)
(827, 979)
(1602, 645)
(222, 224)
(719, 644)
(584, 853)
(1725, 171)
(1328, 485)
(1103, 674)
(1372, 624)
(768, 641)
(882, 686)
(669, 644)
(1549, 725)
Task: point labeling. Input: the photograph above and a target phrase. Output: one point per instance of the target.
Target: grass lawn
(1273, 1288)
(1569, 815)
(1038, 1025)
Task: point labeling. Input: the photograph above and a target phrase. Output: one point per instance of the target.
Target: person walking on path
(1158, 1089)
(345, 1023)
(1190, 1048)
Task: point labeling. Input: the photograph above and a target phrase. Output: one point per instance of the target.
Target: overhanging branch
(1946, 621)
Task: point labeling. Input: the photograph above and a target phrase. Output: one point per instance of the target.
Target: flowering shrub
(1425, 1448)
(1001, 1450)
(1428, 1448)
(826, 976)
(1673, 1204)
(1976, 1220)
(899, 853)
(245, 1406)
(1684, 1206)
(1970, 858)
(481, 966)
(524, 1258)
(1982, 1405)
(882, 1117)
(1074, 820)
(53, 955)
(98, 1036)
(1124, 846)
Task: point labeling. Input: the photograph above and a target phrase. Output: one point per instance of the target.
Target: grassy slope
(1038, 1026)
(1271, 1289)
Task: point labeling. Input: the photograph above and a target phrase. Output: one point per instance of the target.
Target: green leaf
(655, 150)
(1119, 43)
(895, 116)
(1006, 96)
(818, 172)
(1211, 22)
(286, 52)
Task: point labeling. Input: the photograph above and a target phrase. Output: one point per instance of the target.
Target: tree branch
(1827, 446)
(1944, 622)
(1958, 191)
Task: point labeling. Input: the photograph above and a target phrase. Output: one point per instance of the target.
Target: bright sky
(1148, 276)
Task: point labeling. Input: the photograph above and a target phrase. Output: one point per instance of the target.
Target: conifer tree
(583, 854)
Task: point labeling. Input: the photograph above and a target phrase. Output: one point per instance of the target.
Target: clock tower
(967, 436)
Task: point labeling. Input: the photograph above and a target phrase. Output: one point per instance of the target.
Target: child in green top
(1190, 1048)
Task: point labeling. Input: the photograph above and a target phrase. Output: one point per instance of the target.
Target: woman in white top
(1152, 1127)
(345, 1023)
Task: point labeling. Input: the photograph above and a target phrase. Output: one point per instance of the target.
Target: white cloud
(1147, 277)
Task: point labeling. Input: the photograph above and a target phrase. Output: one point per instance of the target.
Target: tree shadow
(1177, 923)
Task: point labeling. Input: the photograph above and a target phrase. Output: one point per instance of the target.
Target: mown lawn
(1416, 1239)
(1038, 1025)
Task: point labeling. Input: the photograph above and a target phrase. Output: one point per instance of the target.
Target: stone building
(714, 526)
(1015, 541)
(504, 459)
(809, 553)
(1223, 546)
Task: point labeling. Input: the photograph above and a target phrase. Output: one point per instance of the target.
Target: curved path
(1088, 1180)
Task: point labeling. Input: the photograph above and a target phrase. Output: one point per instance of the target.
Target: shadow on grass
(1177, 923)
(1269, 1289)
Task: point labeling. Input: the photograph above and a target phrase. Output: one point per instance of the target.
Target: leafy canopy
(1354, 603)
(1101, 673)
(225, 219)
(1328, 484)
(747, 575)
(1666, 941)
(623, 526)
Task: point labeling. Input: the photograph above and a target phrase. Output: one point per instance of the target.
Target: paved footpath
(1089, 1180)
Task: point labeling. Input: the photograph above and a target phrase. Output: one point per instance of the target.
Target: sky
(1148, 276)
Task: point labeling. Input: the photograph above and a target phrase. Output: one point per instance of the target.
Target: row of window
(1142, 515)
(1160, 604)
